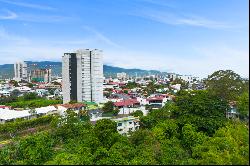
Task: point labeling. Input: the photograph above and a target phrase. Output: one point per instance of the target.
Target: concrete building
(40, 75)
(127, 124)
(82, 76)
(187, 78)
(121, 76)
(172, 76)
(21, 71)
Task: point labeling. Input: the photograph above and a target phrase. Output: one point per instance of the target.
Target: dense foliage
(225, 84)
(137, 113)
(21, 124)
(33, 103)
(243, 104)
(28, 100)
(193, 129)
(109, 109)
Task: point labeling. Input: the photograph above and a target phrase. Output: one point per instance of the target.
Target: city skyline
(187, 37)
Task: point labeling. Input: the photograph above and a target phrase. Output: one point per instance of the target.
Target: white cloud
(212, 58)
(172, 18)
(28, 5)
(202, 22)
(101, 37)
(14, 48)
(8, 15)
(11, 39)
(160, 3)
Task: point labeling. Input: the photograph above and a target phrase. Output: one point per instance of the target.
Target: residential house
(126, 125)
(23, 89)
(41, 92)
(46, 110)
(7, 115)
(94, 114)
(127, 106)
(4, 93)
(232, 112)
(157, 101)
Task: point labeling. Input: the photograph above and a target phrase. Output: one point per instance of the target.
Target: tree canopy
(225, 83)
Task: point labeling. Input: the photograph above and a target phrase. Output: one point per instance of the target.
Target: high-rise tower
(82, 76)
(20, 70)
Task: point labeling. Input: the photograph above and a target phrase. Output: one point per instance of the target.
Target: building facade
(21, 71)
(82, 76)
(122, 75)
(127, 124)
(40, 75)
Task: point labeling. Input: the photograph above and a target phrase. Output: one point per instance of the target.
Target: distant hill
(7, 70)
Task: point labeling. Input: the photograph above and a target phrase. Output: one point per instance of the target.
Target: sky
(195, 37)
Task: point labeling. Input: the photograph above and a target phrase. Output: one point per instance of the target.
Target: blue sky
(194, 37)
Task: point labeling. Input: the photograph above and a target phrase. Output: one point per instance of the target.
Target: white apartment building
(82, 76)
(121, 75)
(187, 78)
(20, 70)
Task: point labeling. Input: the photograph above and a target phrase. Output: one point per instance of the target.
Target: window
(119, 124)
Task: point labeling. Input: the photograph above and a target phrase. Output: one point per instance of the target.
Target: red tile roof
(128, 102)
(155, 98)
(4, 106)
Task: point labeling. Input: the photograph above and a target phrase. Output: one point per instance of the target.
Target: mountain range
(7, 70)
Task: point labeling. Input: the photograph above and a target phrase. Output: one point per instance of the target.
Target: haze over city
(189, 37)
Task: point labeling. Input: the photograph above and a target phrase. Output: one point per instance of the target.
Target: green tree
(156, 116)
(15, 83)
(64, 158)
(30, 96)
(225, 83)
(108, 107)
(173, 152)
(147, 148)
(130, 85)
(30, 85)
(15, 93)
(35, 149)
(243, 104)
(106, 132)
(190, 137)
(68, 126)
(166, 130)
(137, 113)
(228, 146)
(201, 109)
(115, 111)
